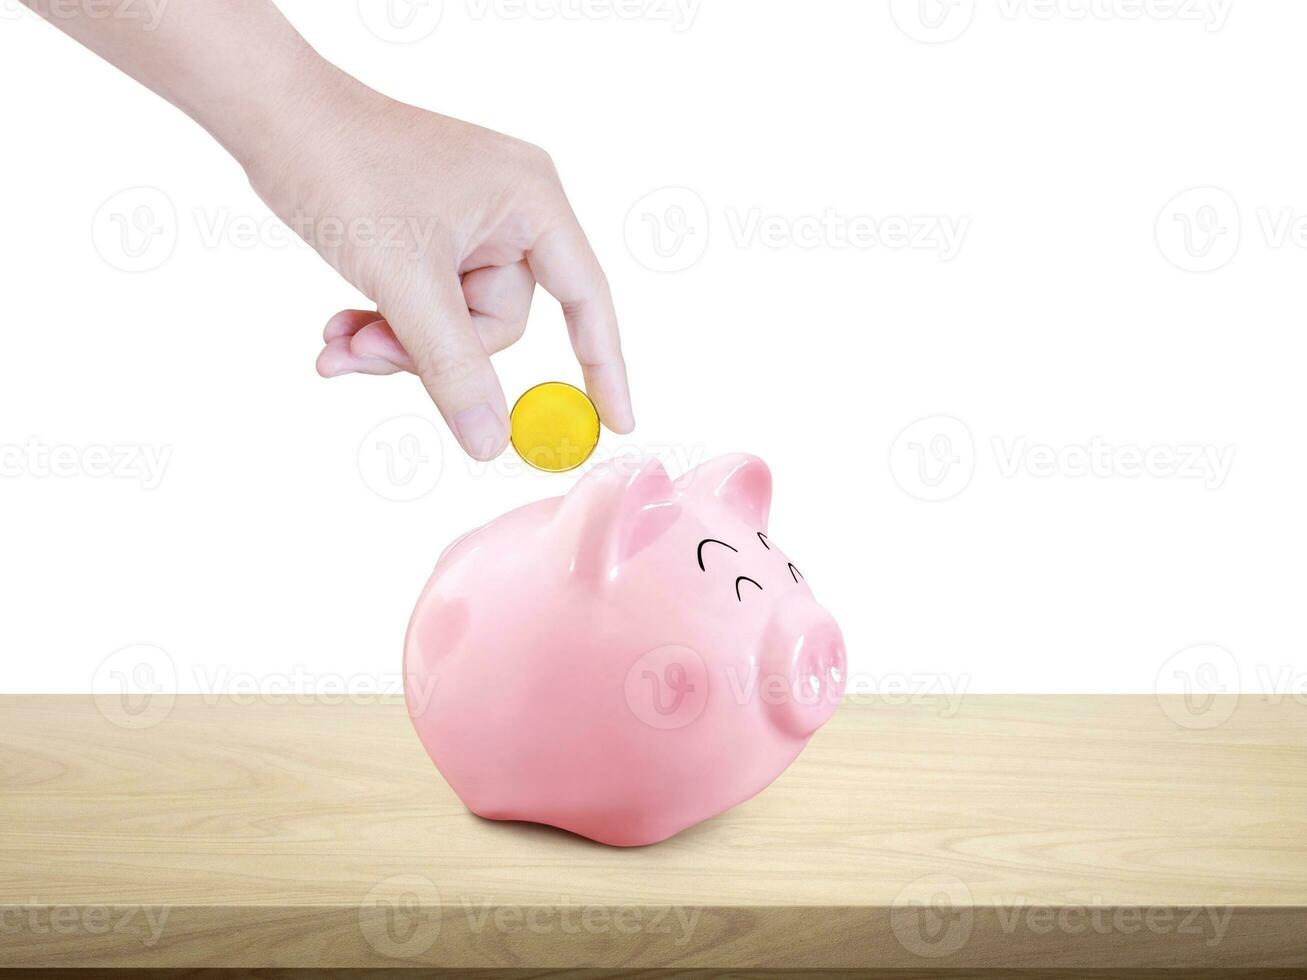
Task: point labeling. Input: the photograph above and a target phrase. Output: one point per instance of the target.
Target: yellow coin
(555, 427)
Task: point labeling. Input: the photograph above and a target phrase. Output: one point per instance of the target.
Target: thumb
(436, 329)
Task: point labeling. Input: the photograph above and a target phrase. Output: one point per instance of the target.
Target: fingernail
(480, 431)
(608, 384)
(619, 417)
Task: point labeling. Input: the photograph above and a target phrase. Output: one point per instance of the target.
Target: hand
(447, 227)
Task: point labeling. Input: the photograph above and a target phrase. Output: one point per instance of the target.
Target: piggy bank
(623, 661)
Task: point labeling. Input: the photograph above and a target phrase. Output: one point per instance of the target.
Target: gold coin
(555, 427)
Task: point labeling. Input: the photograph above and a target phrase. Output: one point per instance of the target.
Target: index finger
(565, 265)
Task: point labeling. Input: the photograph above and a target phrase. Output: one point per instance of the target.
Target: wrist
(284, 111)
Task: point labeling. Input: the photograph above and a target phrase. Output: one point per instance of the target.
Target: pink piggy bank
(624, 661)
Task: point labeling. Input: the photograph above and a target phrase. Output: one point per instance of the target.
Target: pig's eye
(744, 578)
(795, 572)
(763, 538)
(712, 541)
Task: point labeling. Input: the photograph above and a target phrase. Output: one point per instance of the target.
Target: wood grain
(1013, 833)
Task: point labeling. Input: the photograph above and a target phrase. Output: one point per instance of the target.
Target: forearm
(237, 67)
(446, 227)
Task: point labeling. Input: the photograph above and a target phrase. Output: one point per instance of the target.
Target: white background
(1075, 313)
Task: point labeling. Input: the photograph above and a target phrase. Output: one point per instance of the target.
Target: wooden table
(1013, 833)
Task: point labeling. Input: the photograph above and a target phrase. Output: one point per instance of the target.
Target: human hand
(447, 227)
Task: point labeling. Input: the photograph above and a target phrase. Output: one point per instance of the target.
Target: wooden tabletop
(992, 831)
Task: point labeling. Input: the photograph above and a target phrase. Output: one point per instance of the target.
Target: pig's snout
(804, 666)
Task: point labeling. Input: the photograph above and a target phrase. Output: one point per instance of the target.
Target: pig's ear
(614, 512)
(740, 481)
